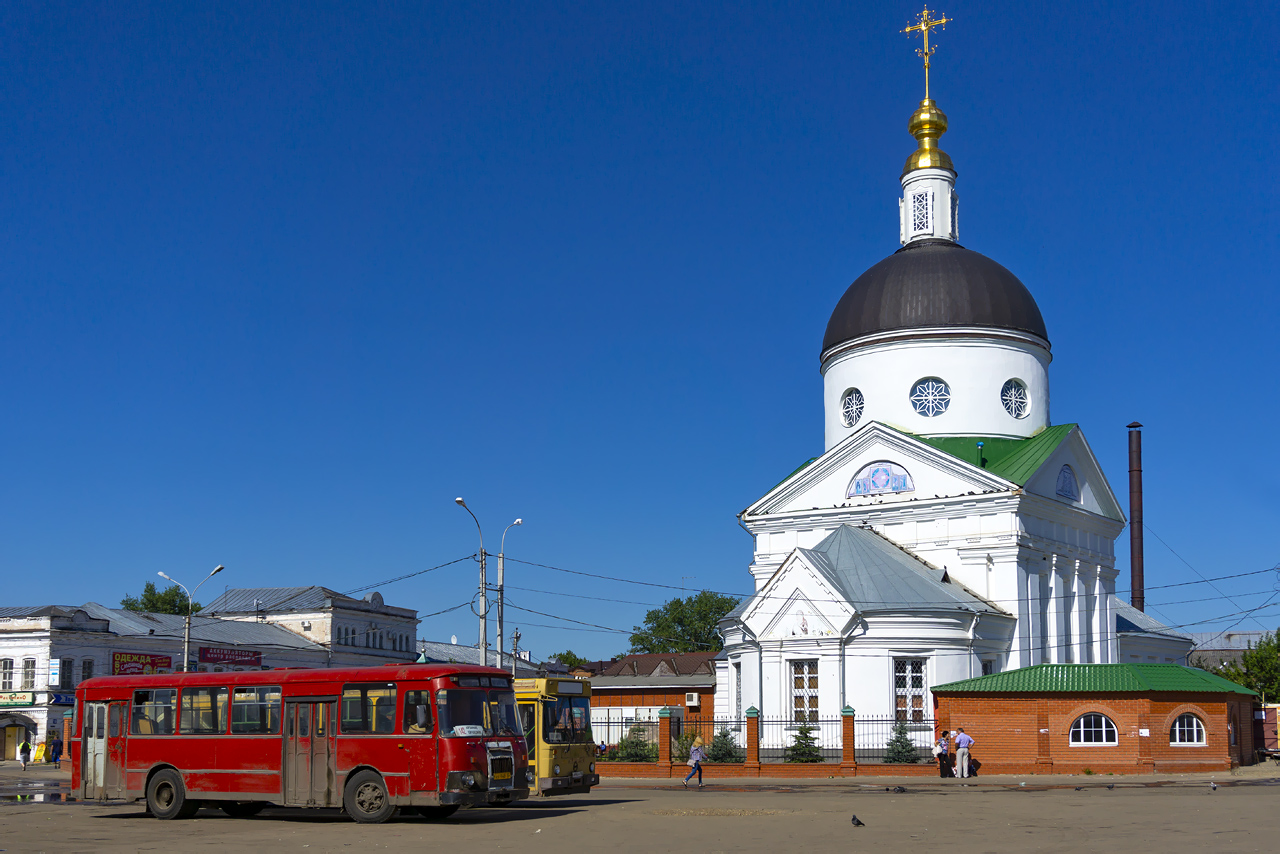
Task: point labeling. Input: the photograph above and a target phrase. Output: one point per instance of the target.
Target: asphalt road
(1171, 815)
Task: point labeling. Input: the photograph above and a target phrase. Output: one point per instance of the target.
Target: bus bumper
(567, 785)
(491, 797)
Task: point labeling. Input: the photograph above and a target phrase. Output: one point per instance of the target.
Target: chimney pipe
(1136, 583)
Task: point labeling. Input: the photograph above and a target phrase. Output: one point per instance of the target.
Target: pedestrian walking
(696, 755)
(941, 752)
(55, 749)
(963, 743)
(24, 752)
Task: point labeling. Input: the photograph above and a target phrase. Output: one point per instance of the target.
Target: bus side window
(417, 712)
(154, 711)
(369, 707)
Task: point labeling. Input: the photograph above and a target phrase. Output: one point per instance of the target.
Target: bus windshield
(473, 712)
(567, 720)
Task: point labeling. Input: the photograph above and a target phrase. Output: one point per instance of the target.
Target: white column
(1053, 643)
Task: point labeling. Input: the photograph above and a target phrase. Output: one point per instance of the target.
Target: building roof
(700, 680)
(1014, 460)
(929, 284)
(204, 630)
(663, 664)
(13, 611)
(1218, 641)
(1096, 679)
(875, 574)
(251, 600)
(1131, 621)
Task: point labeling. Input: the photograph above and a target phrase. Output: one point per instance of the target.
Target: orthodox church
(950, 529)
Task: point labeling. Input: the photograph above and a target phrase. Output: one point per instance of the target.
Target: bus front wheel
(436, 813)
(366, 800)
(167, 797)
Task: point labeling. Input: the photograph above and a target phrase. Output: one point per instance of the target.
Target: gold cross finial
(925, 24)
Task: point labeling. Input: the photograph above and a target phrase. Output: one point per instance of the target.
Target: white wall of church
(974, 368)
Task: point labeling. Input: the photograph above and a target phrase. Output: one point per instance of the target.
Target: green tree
(634, 747)
(900, 750)
(171, 600)
(1258, 668)
(569, 659)
(805, 747)
(722, 748)
(683, 625)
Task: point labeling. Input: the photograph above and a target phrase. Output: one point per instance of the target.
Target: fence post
(848, 744)
(664, 742)
(752, 766)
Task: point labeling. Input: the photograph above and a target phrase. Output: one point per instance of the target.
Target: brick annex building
(1108, 718)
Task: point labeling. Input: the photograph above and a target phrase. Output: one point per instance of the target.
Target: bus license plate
(502, 775)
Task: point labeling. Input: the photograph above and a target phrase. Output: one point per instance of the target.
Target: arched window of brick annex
(1093, 728)
(1187, 729)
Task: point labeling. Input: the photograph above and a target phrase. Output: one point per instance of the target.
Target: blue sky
(278, 282)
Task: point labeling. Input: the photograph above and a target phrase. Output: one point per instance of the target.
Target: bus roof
(289, 676)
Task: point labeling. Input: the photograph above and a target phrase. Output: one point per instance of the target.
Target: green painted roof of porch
(1095, 679)
(1012, 459)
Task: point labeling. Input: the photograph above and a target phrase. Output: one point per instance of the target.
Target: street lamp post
(186, 634)
(502, 547)
(484, 590)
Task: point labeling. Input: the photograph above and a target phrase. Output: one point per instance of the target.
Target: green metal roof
(1012, 459)
(1096, 678)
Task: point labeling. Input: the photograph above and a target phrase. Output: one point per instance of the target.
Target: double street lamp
(186, 634)
(483, 611)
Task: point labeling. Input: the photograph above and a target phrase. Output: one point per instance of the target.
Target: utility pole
(186, 633)
(515, 651)
(502, 548)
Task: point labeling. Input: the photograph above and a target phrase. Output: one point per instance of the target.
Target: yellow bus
(556, 714)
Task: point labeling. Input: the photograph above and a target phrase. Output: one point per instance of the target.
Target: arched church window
(851, 407)
(1067, 485)
(930, 396)
(1014, 397)
(880, 477)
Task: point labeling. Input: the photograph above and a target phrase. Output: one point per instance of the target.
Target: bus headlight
(469, 780)
(528, 775)
(555, 770)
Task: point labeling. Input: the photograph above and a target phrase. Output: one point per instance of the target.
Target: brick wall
(602, 697)
(1020, 734)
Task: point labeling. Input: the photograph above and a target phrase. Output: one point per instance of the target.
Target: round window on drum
(851, 407)
(930, 397)
(1015, 398)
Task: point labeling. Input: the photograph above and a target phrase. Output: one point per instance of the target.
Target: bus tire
(242, 809)
(366, 800)
(437, 813)
(167, 797)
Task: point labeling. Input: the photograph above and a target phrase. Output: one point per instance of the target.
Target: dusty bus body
(556, 717)
(431, 737)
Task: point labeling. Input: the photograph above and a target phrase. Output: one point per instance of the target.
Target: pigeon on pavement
(857, 823)
(1079, 788)
(1213, 786)
(1111, 785)
(900, 790)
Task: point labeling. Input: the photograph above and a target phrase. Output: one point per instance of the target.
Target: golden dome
(926, 125)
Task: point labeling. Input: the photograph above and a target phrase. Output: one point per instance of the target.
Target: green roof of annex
(1096, 678)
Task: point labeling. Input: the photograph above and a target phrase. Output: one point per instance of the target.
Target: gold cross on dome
(925, 24)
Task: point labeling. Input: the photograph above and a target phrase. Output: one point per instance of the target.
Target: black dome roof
(933, 283)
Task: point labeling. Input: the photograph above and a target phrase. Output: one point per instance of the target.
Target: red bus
(428, 737)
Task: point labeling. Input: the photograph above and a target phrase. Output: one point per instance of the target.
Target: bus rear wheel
(437, 813)
(242, 809)
(366, 800)
(167, 797)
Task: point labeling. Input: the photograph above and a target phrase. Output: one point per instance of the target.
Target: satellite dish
(453, 639)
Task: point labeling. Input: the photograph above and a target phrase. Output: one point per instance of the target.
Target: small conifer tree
(634, 747)
(805, 747)
(722, 748)
(900, 750)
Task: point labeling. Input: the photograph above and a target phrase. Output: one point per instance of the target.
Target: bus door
(309, 760)
(529, 721)
(113, 782)
(419, 730)
(93, 746)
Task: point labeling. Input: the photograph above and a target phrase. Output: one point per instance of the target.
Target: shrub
(634, 748)
(900, 750)
(723, 749)
(805, 746)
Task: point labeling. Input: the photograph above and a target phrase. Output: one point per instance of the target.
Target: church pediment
(1071, 475)
(876, 465)
(798, 602)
